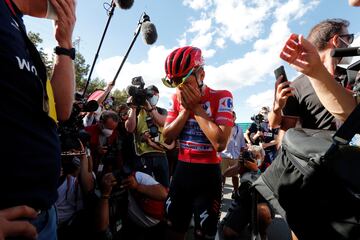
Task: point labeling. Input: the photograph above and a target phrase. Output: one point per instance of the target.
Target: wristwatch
(65, 51)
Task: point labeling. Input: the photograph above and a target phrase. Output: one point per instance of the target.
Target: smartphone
(280, 71)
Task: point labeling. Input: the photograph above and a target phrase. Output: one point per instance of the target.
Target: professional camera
(71, 130)
(137, 91)
(153, 129)
(258, 119)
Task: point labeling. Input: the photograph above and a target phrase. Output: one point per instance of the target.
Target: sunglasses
(176, 82)
(349, 37)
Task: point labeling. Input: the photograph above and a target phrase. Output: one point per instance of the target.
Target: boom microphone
(124, 4)
(345, 52)
(148, 30)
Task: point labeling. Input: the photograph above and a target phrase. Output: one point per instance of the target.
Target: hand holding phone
(282, 91)
(280, 71)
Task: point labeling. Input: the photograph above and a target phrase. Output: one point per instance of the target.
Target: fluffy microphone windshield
(149, 33)
(124, 4)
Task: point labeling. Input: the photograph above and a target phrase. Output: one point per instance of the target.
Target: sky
(240, 39)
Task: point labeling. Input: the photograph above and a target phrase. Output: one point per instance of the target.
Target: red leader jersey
(195, 147)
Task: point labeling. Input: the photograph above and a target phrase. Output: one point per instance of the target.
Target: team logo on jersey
(206, 107)
(171, 106)
(225, 104)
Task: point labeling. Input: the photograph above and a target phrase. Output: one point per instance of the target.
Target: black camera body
(258, 119)
(121, 174)
(153, 129)
(71, 130)
(137, 91)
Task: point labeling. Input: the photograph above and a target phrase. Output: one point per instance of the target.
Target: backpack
(316, 179)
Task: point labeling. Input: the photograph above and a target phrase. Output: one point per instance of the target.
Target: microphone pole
(110, 13)
(144, 18)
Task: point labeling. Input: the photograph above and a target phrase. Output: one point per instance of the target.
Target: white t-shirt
(136, 214)
(70, 199)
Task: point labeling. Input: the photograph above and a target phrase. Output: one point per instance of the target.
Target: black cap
(153, 88)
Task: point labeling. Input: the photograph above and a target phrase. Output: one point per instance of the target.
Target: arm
(247, 137)
(130, 123)
(34, 8)
(354, 2)
(155, 191)
(108, 88)
(86, 177)
(232, 171)
(102, 212)
(282, 93)
(172, 130)
(217, 135)
(303, 56)
(158, 118)
(63, 78)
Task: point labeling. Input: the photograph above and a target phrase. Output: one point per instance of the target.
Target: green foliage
(81, 71)
(48, 61)
(120, 97)
(95, 83)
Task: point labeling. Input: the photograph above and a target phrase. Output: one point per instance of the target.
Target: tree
(48, 61)
(120, 96)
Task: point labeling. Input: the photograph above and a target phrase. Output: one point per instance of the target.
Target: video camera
(71, 130)
(137, 91)
(258, 119)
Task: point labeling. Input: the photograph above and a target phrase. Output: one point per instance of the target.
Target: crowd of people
(138, 171)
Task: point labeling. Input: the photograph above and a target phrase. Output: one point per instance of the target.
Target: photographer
(298, 102)
(104, 141)
(232, 153)
(254, 134)
(145, 209)
(75, 203)
(146, 122)
(238, 216)
(30, 154)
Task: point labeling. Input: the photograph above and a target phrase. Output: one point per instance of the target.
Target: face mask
(107, 132)
(51, 13)
(154, 100)
(258, 162)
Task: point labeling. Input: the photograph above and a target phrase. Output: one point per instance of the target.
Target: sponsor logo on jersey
(225, 104)
(206, 107)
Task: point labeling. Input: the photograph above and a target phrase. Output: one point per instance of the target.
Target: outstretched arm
(304, 57)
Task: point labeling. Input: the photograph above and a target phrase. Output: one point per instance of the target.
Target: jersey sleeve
(224, 113)
(173, 110)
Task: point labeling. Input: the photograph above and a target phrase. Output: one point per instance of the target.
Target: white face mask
(107, 132)
(259, 162)
(154, 100)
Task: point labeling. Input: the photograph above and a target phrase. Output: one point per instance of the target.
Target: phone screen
(280, 71)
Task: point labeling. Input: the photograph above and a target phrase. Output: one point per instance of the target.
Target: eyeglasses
(349, 37)
(176, 82)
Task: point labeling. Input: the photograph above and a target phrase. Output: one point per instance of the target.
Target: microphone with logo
(110, 8)
(149, 34)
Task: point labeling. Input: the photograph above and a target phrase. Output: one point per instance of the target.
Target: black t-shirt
(268, 134)
(30, 149)
(306, 105)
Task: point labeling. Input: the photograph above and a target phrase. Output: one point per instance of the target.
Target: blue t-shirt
(29, 145)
